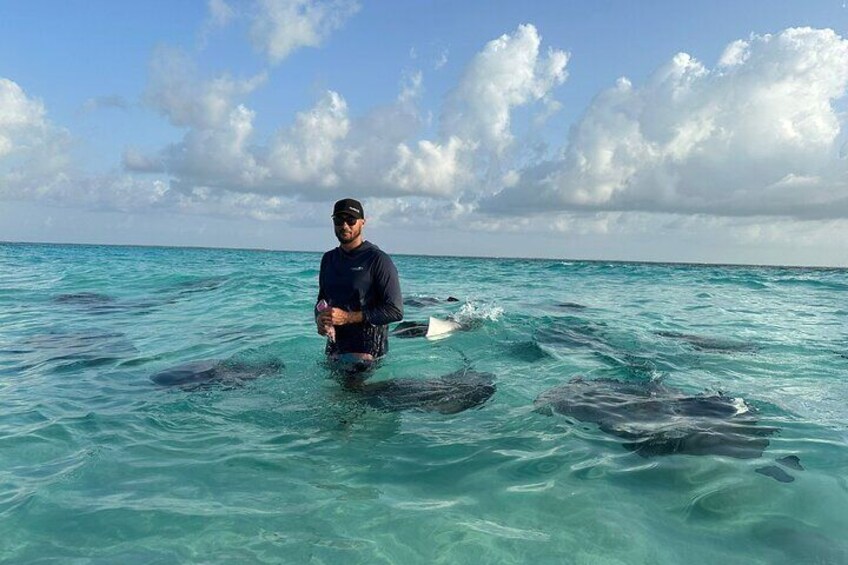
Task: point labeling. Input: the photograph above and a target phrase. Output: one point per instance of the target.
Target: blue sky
(664, 131)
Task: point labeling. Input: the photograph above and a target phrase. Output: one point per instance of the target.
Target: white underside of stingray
(437, 328)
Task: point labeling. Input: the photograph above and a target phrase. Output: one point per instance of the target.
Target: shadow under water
(70, 350)
(448, 394)
(229, 373)
(711, 344)
(657, 420)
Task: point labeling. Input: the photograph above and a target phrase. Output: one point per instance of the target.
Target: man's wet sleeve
(388, 306)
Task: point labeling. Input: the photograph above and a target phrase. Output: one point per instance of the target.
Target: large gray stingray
(448, 394)
(100, 304)
(84, 298)
(214, 372)
(658, 420)
(64, 350)
(712, 344)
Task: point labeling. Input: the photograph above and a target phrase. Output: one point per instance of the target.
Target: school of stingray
(650, 418)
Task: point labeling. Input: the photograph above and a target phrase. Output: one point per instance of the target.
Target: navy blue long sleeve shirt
(363, 280)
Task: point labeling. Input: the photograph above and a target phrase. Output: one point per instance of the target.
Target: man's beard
(354, 233)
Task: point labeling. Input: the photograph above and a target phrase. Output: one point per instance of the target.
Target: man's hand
(338, 317)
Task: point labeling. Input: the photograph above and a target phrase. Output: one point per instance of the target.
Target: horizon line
(497, 257)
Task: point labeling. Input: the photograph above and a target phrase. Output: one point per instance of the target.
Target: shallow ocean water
(99, 464)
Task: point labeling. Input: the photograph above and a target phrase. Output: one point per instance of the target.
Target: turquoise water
(98, 464)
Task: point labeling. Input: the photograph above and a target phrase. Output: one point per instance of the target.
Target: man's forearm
(384, 314)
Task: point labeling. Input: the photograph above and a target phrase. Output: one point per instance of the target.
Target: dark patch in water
(92, 302)
(448, 394)
(570, 306)
(572, 333)
(200, 285)
(711, 344)
(136, 361)
(230, 373)
(84, 298)
(775, 473)
(628, 359)
(73, 350)
(423, 301)
(188, 373)
(99, 304)
(657, 420)
(791, 461)
(527, 351)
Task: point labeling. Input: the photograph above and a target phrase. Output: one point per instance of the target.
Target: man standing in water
(358, 291)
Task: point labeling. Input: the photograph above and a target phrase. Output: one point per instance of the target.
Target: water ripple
(98, 463)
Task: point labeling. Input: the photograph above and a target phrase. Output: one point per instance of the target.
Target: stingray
(68, 351)
(410, 329)
(657, 420)
(84, 298)
(199, 285)
(448, 394)
(711, 344)
(94, 303)
(570, 306)
(422, 301)
(573, 333)
(433, 327)
(215, 372)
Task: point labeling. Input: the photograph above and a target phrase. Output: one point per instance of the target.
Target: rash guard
(362, 280)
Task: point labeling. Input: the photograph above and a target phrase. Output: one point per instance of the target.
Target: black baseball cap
(350, 207)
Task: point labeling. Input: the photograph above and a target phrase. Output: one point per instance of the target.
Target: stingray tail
(466, 362)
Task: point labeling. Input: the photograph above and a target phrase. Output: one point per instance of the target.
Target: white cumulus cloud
(509, 72)
(180, 93)
(759, 134)
(306, 153)
(378, 153)
(220, 13)
(430, 168)
(283, 26)
(34, 153)
(22, 119)
(216, 148)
